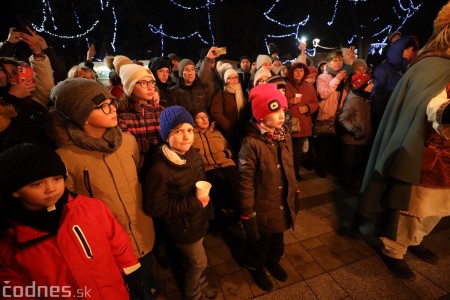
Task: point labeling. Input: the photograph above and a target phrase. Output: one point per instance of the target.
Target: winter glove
(251, 228)
(135, 283)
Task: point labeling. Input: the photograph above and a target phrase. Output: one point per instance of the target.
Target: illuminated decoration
(47, 9)
(207, 6)
(294, 29)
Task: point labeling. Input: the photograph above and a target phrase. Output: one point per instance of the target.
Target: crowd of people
(97, 180)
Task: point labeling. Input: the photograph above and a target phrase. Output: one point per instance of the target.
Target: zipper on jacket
(87, 182)
(83, 241)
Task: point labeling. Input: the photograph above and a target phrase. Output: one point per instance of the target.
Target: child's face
(274, 119)
(181, 138)
(104, 115)
(41, 193)
(202, 121)
(145, 93)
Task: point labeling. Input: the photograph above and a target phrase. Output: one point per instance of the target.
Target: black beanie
(25, 163)
(157, 63)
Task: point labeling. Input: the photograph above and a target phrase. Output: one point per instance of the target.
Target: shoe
(261, 279)
(424, 254)
(277, 271)
(397, 266)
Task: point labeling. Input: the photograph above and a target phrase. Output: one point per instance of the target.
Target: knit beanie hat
(278, 80)
(174, 56)
(171, 117)
(228, 73)
(361, 81)
(244, 57)
(263, 72)
(130, 74)
(358, 63)
(77, 97)
(119, 61)
(261, 59)
(23, 164)
(266, 99)
(183, 63)
(223, 67)
(157, 63)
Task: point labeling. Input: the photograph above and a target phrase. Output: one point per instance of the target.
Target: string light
(207, 6)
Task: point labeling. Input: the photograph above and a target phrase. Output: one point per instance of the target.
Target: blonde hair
(76, 71)
(440, 39)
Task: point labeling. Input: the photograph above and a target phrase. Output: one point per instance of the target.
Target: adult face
(181, 138)
(299, 73)
(232, 79)
(408, 53)
(245, 65)
(11, 70)
(175, 65)
(336, 63)
(189, 74)
(163, 74)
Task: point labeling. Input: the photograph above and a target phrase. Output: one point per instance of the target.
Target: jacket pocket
(83, 241)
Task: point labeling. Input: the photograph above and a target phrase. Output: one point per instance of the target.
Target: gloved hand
(135, 283)
(359, 134)
(251, 228)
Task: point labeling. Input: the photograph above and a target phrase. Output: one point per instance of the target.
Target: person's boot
(277, 271)
(424, 254)
(397, 266)
(261, 279)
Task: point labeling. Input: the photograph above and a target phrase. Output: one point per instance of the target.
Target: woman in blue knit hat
(170, 194)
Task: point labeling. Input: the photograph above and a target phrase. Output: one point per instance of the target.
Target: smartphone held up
(24, 72)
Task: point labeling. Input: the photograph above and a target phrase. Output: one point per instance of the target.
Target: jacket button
(281, 207)
(278, 166)
(280, 187)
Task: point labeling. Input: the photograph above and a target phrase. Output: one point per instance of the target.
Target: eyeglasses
(262, 81)
(202, 117)
(233, 77)
(106, 107)
(145, 83)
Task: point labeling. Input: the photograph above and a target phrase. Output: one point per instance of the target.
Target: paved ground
(322, 259)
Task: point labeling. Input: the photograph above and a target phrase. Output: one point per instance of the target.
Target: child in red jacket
(54, 243)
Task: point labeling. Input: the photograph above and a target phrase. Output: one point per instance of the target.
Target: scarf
(236, 89)
(277, 135)
(110, 142)
(173, 156)
(46, 219)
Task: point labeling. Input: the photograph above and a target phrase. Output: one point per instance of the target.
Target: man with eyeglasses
(194, 93)
(102, 161)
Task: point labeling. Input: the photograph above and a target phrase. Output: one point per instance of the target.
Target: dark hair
(114, 78)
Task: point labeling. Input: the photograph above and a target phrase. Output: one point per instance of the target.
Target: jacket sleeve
(120, 243)
(216, 112)
(347, 116)
(325, 87)
(57, 64)
(43, 78)
(205, 75)
(247, 166)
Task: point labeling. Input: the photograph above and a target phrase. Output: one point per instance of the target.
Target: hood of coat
(395, 53)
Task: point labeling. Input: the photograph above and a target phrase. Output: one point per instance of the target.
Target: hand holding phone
(221, 50)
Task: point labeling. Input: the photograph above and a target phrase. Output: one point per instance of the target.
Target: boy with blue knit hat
(171, 196)
(268, 188)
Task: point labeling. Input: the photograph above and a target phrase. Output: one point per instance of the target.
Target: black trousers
(267, 250)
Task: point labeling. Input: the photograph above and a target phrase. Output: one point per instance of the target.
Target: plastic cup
(203, 188)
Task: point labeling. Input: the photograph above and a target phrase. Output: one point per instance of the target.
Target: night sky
(240, 25)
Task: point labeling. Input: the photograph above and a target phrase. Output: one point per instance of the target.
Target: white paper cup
(298, 95)
(203, 188)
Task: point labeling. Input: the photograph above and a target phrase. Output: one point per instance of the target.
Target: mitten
(251, 228)
(135, 283)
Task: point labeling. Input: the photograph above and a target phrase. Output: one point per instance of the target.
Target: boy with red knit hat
(267, 185)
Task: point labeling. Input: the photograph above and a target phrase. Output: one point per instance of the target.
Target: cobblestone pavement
(323, 259)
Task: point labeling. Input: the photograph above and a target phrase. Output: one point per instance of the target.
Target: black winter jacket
(169, 194)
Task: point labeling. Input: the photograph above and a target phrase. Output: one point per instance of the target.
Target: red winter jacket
(86, 259)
